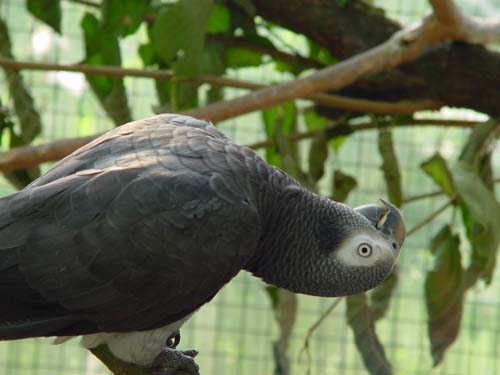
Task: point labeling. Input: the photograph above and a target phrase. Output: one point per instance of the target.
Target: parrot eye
(364, 250)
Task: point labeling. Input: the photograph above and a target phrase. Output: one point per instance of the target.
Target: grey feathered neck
(300, 231)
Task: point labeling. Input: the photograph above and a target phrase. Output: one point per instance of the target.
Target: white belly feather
(140, 347)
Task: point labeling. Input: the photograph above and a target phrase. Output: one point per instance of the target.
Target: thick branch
(401, 47)
(22, 157)
(458, 74)
(466, 28)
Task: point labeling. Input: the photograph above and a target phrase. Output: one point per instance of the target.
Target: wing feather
(128, 233)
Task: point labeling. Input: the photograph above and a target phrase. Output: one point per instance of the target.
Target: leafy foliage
(480, 208)
(175, 39)
(123, 17)
(437, 168)
(102, 48)
(30, 123)
(318, 154)
(342, 185)
(380, 297)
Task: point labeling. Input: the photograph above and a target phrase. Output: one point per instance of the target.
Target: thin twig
(336, 101)
(86, 2)
(417, 197)
(294, 137)
(28, 156)
(310, 331)
(431, 217)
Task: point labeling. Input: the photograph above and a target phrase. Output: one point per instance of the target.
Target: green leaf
(444, 293)
(438, 170)
(361, 321)
(47, 11)
(215, 94)
(239, 57)
(178, 34)
(147, 53)
(123, 17)
(390, 166)
(479, 207)
(482, 135)
(269, 120)
(219, 20)
(176, 96)
(342, 185)
(481, 217)
(320, 54)
(213, 58)
(318, 154)
(313, 120)
(102, 48)
(380, 297)
(279, 123)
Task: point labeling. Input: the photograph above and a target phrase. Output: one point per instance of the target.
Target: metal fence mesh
(234, 333)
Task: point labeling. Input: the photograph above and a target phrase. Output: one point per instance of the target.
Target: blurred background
(238, 332)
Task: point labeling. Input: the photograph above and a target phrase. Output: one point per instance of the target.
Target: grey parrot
(124, 239)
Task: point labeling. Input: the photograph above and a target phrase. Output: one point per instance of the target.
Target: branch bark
(458, 74)
(465, 28)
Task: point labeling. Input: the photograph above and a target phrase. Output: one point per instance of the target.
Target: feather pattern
(113, 237)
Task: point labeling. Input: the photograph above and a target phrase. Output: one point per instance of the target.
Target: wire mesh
(234, 333)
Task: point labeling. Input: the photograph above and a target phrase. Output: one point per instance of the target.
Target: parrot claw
(175, 362)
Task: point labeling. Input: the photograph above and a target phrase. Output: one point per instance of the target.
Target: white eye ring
(365, 250)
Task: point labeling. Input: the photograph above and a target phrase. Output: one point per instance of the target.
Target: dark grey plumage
(145, 224)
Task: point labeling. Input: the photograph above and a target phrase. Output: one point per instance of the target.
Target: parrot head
(368, 249)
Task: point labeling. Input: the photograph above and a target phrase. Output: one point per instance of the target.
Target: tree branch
(336, 128)
(404, 46)
(458, 74)
(461, 27)
(22, 157)
(336, 101)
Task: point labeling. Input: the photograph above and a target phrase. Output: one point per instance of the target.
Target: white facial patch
(353, 252)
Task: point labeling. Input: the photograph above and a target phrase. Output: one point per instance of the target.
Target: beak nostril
(395, 245)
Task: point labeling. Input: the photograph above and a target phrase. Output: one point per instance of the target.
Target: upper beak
(388, 220)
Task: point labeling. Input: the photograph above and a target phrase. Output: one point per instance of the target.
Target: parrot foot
(175, 362)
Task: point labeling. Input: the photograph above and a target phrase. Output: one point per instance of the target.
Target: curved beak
(387, 219)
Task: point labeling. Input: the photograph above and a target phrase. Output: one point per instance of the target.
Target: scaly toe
(175, 362)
